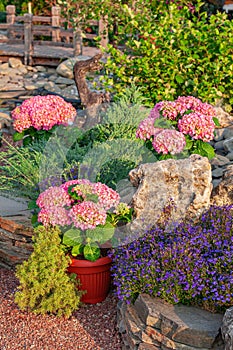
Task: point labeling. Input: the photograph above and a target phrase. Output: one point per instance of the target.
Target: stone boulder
(227, 329)
(223, 193)
(65, 69)
(224, 118)
(170, 190)
(15, 62)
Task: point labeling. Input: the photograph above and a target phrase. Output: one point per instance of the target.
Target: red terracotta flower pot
(95, 278)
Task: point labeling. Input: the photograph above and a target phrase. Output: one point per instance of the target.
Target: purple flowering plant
(179, 128)
(190, 263)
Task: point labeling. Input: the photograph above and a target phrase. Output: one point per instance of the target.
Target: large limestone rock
(170, 189)
(227, 329)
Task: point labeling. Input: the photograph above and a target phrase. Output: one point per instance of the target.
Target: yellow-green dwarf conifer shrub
(45, 286)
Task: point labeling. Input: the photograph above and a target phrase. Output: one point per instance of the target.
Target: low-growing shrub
(45, 286)
(189, 264)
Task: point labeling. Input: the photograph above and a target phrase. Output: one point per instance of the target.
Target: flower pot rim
(87, 263)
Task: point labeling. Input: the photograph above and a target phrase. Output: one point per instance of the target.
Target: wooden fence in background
(28, 28)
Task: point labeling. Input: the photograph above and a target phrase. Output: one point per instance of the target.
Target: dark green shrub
(111, 148)
(45, 286)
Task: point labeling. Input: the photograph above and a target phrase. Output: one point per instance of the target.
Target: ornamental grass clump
(179, 128)
(190, 264)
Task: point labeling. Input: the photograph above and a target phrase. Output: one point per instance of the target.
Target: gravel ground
(91, 327)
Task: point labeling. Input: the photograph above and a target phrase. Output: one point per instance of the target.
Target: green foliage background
(174, 52)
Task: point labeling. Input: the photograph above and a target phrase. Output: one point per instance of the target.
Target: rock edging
(153, 324)
(15, 240)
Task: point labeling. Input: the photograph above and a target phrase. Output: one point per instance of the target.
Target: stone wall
(152, 324)
(15, 240)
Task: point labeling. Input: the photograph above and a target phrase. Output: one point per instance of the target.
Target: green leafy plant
(112, 144)
(173, 52)
(45, 286)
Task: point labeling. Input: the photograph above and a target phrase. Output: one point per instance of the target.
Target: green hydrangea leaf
(77, 249)
(208, 150)
(101, 233)
(72, 237)
(216, 121)
(189, 143)
(17, 136)
(91, 252)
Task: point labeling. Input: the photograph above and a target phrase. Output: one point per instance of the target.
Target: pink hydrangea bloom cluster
(108, 198)
(52, 203)
(42, 113)
(169, 141)
(198, 126)
(189, 116)
(59, 207)
(87, 215)
(146, 129)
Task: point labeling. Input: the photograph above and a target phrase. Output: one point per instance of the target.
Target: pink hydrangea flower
(87, 215)
(146, 129)
(185, 103)
(22, 123)
(167, 109)
(59, 208)
(43, 112)
(108, 198)
(198, 126)
(54, 216)
(53, 197)
(67, 184)
(169, 141)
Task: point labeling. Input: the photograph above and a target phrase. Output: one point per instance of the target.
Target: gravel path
(92, 327)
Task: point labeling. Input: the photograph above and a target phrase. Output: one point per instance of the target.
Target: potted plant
(87, 214)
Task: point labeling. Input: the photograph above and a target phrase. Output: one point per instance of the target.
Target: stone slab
(11, 207)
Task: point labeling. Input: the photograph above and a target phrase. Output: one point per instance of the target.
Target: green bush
(111, 148)
(45, 286)
(172, 53)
